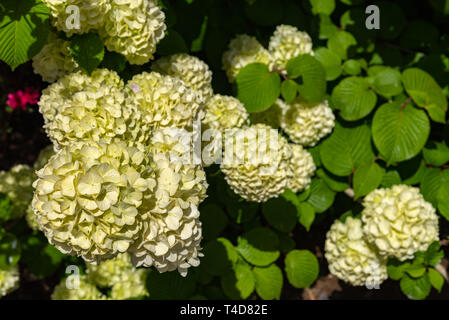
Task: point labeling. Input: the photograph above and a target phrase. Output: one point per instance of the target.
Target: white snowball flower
(350, 257)
(399, 222)
(9, 280)
(302, 167)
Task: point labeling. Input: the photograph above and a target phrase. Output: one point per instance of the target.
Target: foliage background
(248, 247)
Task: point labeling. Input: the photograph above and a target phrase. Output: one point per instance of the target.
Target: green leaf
(436, 279)
(340, 42)
(396, 269)
(432, 181)
(436, 153)
(257, 88)
(6, 207)
(259, 246)
(346, 149)
(307, 215)
(286, 243)
(323, 6)
(443, 199)
(433, 255)
(87, 50)
(40, 257)
(302, 268)
(113, 61)
(426, 93)
(172, 43)
(354, 98)
(269, 282)
(23, 30)
(417, 289)
(170, 286)
(288, 90)
(352, 67)
(321, 197)
(9, 251)
(334, 182)
(400, 132)
(219, 256)
(367, 177)
(240, 283)
(214, 220)
(330, 61)
(415, 270)
(280, 214)
(313, 87)
(386, 81)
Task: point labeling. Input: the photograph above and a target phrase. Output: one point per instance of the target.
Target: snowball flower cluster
(194, 72)
(44, 155)
(224, 112)
(302, 167)
(129, 27)
(83, 107)
(91, 15)
(9, 280)
(133, 28)
(121, 276)
(288, 42)
(242, 51)
(350, 257)
(54, 60)
(307, 122)
(399, 222)
(85, 291)
(164, 101)
(17, 185)
(257, 167)
(89, 196)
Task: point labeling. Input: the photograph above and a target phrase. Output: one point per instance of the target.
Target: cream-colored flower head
(164, 101)
(17, 185)
(271, 116)
(302, 167)
(243, 50)
(306, 122)
(286, 43)
(54, 60)
(82, 290)
(121, 276)
(194, 72)
(89, 197)
(224, 112)
(172, 230)
(30, 218)
(256, 162)
(91, 14)
(399, 222)
(133, 28)
(83, 107)
(9, 280)
(44, 155)
(350, 257)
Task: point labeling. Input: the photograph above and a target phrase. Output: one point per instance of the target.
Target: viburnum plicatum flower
(21, 98)
(82, 107)
(91, 14)
(17, 185)
(286, 43)
(44, 155)
(242, 51)
(399, 222)
(224, 112)
(54, 60)
(350, 257)
(302, 167)
(194, 72)
(271, 116)
(133, 28)
(89, 198)
(9, 280)
(164, 101)
(171, 228)
(83, 290)
(256, 162)
(121, 276)
(307, 122)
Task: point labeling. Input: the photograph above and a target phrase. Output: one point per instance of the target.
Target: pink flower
(20, 99)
